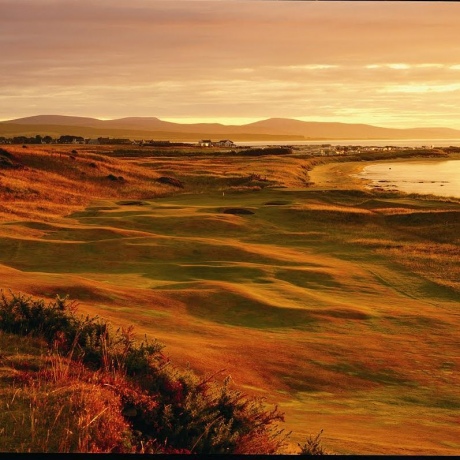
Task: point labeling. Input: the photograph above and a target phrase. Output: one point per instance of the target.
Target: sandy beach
(338, 175)
(344, 176)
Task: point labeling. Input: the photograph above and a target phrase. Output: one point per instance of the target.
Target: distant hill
(328, 130)
(56, 120)
(154, 128)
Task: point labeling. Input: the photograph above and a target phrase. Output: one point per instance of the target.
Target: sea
(363, 142)
(441, 178)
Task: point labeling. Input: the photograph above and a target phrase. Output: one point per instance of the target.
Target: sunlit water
(440, 178)
(413, 143)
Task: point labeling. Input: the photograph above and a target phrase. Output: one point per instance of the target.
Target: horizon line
(220, 120)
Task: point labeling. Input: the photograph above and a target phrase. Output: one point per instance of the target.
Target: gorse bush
(23, 316)
(313, 446)
(167, 409)
(90, 340)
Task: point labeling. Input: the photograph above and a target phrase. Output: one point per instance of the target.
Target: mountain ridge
(268, 129)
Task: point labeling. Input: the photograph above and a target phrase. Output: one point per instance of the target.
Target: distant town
(68, 139)
(309, 149)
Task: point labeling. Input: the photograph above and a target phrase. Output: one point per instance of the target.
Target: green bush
(169, 410)
(266, 151)
(23, 316)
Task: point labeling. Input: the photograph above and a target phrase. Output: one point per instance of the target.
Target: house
(67, 139)
(225, 143)
(205, 143)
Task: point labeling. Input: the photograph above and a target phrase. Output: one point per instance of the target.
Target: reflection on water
(411, 143)
(427, 177)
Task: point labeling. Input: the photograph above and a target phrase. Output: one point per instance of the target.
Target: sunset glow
(394, 64)
(230, 227)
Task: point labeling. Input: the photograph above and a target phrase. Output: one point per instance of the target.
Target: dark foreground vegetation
(93, 389)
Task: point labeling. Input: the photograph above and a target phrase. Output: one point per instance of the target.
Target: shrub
(91, 340)
(267, 151)
(8, 161)
(169, 410)
(23, 316)
(5, 153)
(170, 181)
(313, 446)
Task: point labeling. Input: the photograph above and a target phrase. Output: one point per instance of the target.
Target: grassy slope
(303, 301)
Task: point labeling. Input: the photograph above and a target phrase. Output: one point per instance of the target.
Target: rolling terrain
(340, 305)
(263, 130)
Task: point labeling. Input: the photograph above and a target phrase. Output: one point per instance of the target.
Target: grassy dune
(340, 305)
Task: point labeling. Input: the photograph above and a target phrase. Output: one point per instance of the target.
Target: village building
(205, 143)
(222, 143)
(225, 143)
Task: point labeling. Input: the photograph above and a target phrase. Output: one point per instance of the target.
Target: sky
(392, 64)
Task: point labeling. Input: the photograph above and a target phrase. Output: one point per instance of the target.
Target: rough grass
(51, 183)
(50, 404)
(339, 304)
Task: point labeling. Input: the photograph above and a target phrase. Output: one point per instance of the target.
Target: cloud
(422, 89)
(308, 67)
(211, 58)
(399, 66)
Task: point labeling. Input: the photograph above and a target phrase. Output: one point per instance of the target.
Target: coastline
(343, 175)
(339, 175)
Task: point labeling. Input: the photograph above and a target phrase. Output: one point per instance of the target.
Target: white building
(225, 143)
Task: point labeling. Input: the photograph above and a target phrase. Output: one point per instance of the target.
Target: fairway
(341, 306)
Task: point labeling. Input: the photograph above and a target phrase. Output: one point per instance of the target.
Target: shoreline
(338, 175)
(335, 175)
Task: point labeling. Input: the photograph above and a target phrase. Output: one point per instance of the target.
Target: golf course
(335, 302)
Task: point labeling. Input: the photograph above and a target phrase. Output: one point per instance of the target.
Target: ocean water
(414, 143)
(440, 178)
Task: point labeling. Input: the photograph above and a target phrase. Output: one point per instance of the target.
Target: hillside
(338, 304)
(324, 130)
(265, 130)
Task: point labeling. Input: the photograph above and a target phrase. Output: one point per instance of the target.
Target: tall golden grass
(53, 404)
(53, 182)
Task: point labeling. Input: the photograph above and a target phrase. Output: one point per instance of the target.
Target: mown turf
(341, 305)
